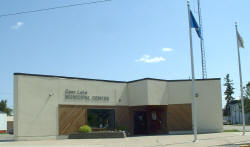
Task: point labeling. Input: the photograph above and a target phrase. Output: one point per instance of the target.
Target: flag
(195, 25)
(240, 40)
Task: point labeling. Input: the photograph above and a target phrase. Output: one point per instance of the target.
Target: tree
(246, 105)
(246, 97)
(4, 107)
(228, 93)
(247, 90)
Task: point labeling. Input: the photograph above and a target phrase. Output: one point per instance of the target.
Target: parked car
(226, 122)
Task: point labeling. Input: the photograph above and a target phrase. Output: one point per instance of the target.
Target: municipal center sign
(83, 95)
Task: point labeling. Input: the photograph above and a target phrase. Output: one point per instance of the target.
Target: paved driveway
(205, 140)
(6, 138)
(240, 128)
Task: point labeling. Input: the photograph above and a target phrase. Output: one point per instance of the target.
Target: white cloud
(17, 25)
(148, 59)
(167, 49)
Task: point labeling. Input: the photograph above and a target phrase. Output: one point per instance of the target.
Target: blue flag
(194, 24)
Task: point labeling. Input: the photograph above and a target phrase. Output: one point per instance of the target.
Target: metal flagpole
(194, 112)
(241, 89)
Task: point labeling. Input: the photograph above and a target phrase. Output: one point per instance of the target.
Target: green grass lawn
(233, 130)
(241, 124)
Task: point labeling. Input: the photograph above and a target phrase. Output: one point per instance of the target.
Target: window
(101, 118)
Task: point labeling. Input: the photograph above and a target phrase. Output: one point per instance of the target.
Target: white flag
(240, 40)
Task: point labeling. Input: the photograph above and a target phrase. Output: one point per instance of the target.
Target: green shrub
(122, 128)
(85, 129)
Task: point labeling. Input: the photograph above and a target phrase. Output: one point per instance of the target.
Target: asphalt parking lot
(6, 138)
(232, 139)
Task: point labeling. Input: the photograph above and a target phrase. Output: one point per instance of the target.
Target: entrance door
(140, 122)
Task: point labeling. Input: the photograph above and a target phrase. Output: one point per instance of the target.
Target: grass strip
(233, 130)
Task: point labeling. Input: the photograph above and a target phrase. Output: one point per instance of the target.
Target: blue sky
(121, 40)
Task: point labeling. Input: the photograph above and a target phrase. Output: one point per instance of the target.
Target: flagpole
(194, 112)
(241, 89)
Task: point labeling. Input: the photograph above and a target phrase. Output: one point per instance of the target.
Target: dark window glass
(101, 118)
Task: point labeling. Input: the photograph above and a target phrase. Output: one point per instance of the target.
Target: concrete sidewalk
(209, 140)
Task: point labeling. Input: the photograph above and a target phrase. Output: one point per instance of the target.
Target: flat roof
(54, 76)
